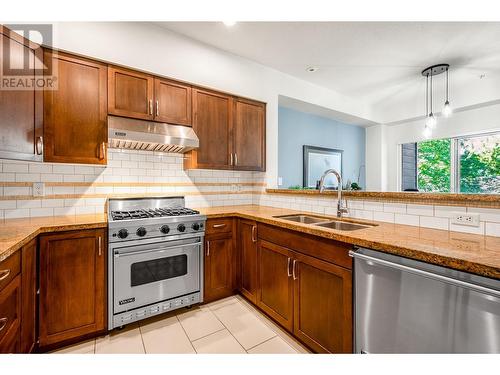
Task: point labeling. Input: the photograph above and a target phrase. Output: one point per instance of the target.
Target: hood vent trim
(132, 134)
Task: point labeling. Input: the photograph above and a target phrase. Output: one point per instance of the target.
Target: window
(469, 164)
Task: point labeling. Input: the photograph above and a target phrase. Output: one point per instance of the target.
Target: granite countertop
(15, 233)
(467, 252)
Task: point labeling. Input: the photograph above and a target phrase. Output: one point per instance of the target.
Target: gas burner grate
(152, 212)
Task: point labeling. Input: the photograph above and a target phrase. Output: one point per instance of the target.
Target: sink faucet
(340, 208)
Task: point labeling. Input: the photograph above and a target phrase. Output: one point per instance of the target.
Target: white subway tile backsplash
(52, 203)
(40, 168)
(399, 208)
(63, 168)
(434, 222)
(16, 190)
(486, 214)
(27, 177)
(17, 213)
(448, 211)
(8, 204)
(467, 229)
(64, 211)
(420, 209)
(36, 212)
(492, 229)
(51, 178)
(373, 206)
(30, 203)
(387, 217)
(7, 177)
(407, 219)
(15, 167)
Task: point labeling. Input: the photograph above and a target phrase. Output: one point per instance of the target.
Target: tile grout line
(183, 330)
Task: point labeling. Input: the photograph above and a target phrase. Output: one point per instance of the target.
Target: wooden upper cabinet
(249, 135)
(72, 285)
(212, 124)
(21, 110)
(247, 236)
(172, 102)
(75, 118)
(275, 294)
(323, 305)
(130, 93)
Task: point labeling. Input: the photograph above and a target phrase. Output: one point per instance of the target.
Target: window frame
(454, 159)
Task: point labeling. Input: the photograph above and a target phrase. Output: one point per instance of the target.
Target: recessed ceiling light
(229, 23)
(311, 69)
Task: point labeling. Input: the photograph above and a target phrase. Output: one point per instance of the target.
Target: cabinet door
(72, 285)
(130, 93)
(28, 291)
(249, 135)
(10, 316)
(275, 295)
(247, 233)
(75, 120)
(219, 261)
(172, 102)
(212, 124)
(323, 305)
(21, 110)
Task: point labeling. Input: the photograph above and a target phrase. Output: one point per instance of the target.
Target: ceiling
(369, 61)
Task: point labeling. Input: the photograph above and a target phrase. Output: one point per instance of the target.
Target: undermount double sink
(323, 222)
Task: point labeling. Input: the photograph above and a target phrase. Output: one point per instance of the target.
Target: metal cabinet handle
(219, 225)
(208, 248)
(231, 162)
(157, 108)
(100, 246)
(39, 145)
(3, 323)
(102, 151)
(4, 274)
(150, 106)
(288, 268)
(254, 237)
(235, 158)
(295, 277)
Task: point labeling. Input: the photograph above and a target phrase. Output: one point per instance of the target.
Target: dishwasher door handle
(430, 275)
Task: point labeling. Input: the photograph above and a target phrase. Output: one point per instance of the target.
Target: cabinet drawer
(10, 303)
(9, 269)
(223, 225)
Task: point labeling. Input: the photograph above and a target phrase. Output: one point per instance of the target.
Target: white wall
(471, 121)
(149, 47)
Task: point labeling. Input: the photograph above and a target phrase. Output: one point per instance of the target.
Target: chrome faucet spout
(340, 208)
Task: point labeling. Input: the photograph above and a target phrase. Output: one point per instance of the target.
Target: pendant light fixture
(430, 119)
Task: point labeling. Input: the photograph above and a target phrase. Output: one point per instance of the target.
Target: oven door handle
(156, 250)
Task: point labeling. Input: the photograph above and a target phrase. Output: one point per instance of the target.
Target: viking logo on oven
(128, 300)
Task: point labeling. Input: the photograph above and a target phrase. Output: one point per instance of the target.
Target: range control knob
(122, 233)
(181, 227)
(164, 229)
(195, 226)
(141, 232)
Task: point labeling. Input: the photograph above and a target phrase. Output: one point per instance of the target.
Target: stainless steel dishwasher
(407, 306)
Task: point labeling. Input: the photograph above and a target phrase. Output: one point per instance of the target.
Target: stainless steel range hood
(150, 136)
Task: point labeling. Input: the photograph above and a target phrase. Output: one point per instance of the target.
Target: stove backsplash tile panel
(83, 189)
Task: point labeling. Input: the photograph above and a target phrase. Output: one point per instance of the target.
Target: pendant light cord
(446, 85)
(427, 96)
(431, 92)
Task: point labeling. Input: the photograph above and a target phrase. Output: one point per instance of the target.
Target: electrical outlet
(468, 219)
(38, 189)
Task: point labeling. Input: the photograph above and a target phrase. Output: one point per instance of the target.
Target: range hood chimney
(150, 136)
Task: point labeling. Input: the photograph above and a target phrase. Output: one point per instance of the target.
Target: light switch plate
(38, 189)
(280, 181)
(469, 219)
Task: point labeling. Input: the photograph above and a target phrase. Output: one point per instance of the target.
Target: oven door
(149, 273)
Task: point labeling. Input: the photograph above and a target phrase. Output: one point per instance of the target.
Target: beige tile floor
(231, 325)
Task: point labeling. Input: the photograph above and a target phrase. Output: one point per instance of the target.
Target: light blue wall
(296, 129)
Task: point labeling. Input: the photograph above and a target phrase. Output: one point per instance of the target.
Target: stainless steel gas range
(155, 257)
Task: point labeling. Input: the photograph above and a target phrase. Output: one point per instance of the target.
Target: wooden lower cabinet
(247, 241)
(72, 285)
(322, 305)
(275, 294)
(219, 266)
(29, 297)
(10, 316)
